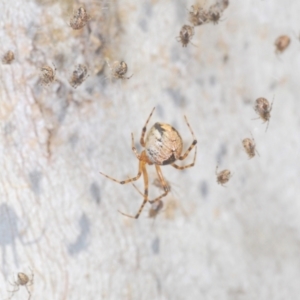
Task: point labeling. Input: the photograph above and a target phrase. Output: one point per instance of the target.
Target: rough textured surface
(59, 216)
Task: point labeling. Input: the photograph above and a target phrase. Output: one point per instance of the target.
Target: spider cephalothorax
(163, 146)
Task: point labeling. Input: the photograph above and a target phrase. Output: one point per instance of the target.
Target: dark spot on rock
(212, 80)
(35, 181)
(81, 241)
(204, 189)
(95, 192)
(176, 96)
(73, 139)
(155, 245)
(221, 153)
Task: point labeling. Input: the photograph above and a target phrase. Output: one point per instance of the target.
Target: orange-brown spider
(163, 146)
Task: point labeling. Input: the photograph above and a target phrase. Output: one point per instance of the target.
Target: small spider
(163, 146)
(223, 176)
(214, 14)
(249, 146)
(155, 209)
(79, 76)
(8, 57)
(197, 16)
(79, 19)
(281, 43)
(22, 280)
(263, 108)
(118, 70)
(47, 75)
(185, 35)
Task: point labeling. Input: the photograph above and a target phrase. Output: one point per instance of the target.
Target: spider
(79, 76)
(214, 14)
(163, 146)
(22, 280)
(185, 35)
(281, 43)
(47, 75)
(197, 16)
(263, 109)
(223, 176)
(249, 146)
(79, 19)
(8, 57)
(119, 69)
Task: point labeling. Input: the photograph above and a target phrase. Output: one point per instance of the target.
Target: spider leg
(182, 157)
(145, 128)
(130, 179)
(216, 172)
(145, 175)
(133, 147)
(28, 292)
(187, 166)
(163, 183)
(17, 287)
(267, 125)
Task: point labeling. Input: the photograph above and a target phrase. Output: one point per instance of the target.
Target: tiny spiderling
(263, 109)
(155, 209)
(214, 14)
(223, 176)
(281, 43)
(197, 16)
(47, 75)
(185, 35)
(79, 75)
(250, 147)
(8, 57)
(119, 69)
(79, 19)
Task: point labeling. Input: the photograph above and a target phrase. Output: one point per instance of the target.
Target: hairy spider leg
(182, 157)
(187, 166)
(142, 141)
(145, 175)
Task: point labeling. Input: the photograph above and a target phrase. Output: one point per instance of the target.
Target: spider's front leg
(142, 141)
(182, 157)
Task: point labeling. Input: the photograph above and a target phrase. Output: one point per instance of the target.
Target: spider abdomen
(163, 144)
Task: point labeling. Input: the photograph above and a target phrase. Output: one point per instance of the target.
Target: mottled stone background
(59, 216)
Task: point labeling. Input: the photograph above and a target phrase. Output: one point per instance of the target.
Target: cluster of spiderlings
(79, 19)
(8, 57)
(263, 109)
(199, 16)
(79, 75)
